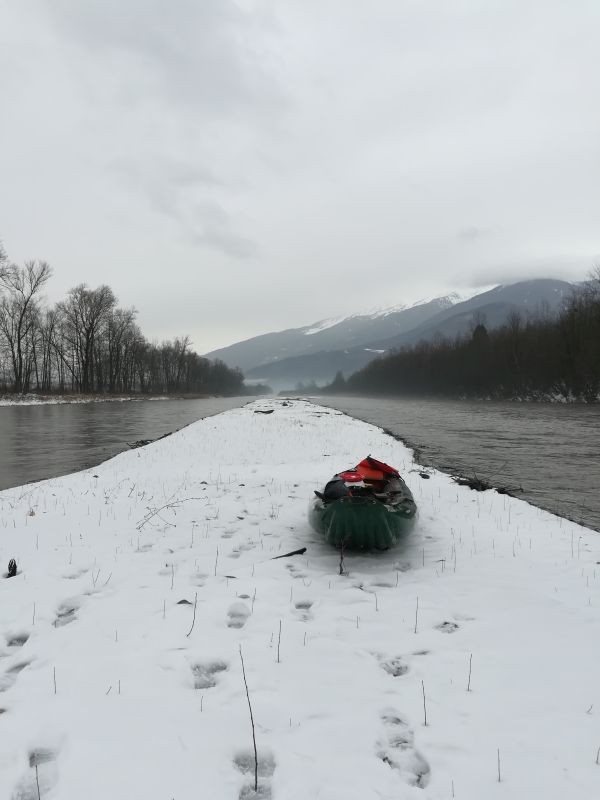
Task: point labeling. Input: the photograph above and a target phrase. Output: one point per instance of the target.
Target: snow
(58, 399)
(112, 690)
(383, 311)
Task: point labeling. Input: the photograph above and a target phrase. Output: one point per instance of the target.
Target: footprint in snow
(71, 576)
(17, 639)
(237, 614)
(66, 613)
(40, 777)
(396, 748)
(244, 762)
(242, 548)
(304, 607)
(447, 627)
(205, 674)
(11, 675)
(394, 666)
(294, 571)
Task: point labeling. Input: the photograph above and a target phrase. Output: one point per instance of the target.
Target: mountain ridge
(317, 352)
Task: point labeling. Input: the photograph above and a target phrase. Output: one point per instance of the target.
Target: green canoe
(368, 507)
(363, 523)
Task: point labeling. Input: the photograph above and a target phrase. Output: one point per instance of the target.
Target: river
(550, 450)
(46, 440)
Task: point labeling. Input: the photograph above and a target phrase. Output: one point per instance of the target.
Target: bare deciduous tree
(18, 314)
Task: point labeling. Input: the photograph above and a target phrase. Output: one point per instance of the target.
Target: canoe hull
(362, 523)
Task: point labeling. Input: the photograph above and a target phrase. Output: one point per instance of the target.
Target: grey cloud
(529, 269)
(206, 55)
(230, 243)
(472, 234)
(181, 192)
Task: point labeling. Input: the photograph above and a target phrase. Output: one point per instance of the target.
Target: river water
(550, 450)
(43, 441)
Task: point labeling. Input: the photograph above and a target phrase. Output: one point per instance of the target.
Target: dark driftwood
(144, 442)
(12, 568)
(293, 553)
(265, 411)
(482, 485)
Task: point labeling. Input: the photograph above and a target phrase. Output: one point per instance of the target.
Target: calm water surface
(552, 451)
(44, 441)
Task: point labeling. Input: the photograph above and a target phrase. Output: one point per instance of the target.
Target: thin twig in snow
(194, 620)
(279, 642)
(469, 681)
(417, 615)
(251, 722)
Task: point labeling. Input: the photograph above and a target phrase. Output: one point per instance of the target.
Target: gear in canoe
(368, 507)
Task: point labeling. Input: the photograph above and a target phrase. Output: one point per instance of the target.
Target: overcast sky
(232, 168)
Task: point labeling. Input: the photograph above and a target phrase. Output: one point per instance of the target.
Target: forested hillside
(527, 357)
(88, 344)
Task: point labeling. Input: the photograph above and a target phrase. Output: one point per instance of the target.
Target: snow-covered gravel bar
(113, 686)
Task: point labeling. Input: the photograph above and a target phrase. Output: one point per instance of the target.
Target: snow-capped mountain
(378, 312)
(334, 333)
(317, 352)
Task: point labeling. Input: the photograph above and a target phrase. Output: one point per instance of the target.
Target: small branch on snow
(171, 504)
(299, 552)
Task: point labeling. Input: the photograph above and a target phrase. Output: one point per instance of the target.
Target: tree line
(532, 357)
(86, 343)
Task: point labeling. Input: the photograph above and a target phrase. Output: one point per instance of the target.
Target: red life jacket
(374, 470)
